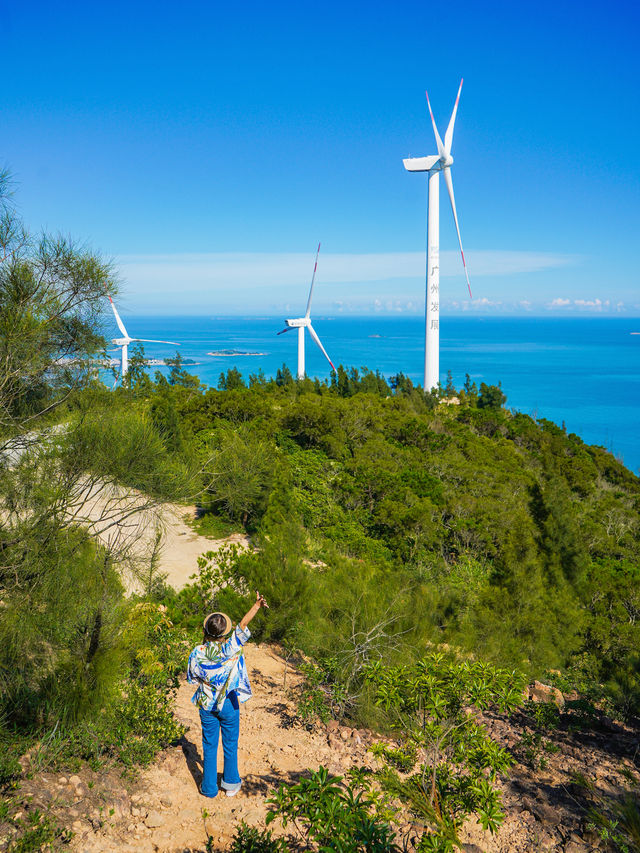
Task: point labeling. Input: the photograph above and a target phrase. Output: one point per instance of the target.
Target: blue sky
(207, 147)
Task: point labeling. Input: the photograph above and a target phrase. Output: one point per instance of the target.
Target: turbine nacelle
(434, 163)
(298, 323)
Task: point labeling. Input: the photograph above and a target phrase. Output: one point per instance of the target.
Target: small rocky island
(234, 352)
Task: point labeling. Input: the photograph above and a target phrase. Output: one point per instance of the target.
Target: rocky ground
(546, 809)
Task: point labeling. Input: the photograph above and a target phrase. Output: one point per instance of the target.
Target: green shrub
(403, 758)
(39, 831)
(332, 816)
(250, 839)
(434, 703)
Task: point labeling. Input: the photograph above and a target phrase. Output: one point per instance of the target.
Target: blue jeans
(227, 721)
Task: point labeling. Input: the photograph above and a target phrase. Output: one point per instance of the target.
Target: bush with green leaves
(250, 839)
(403, 757)
(332, 816)
(435, 703)
(35, 832)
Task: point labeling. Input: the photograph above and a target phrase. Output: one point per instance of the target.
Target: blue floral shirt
(209, 667)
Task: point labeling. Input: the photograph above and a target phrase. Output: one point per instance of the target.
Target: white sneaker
(232, 791)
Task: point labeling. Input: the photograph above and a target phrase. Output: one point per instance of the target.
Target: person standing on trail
(217, 666)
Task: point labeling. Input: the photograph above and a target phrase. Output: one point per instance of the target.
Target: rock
(81, 790)
(75, 780)
(545, 813)
(135, 811)
(345, 734)
(76, 826)
(543, 693)
(63, 780)
(575, 846)
(154, 819)
(166, 799)
(332, 726)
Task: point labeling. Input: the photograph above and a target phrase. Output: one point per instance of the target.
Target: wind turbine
(433, 165)
(302, 323)
(125, 340)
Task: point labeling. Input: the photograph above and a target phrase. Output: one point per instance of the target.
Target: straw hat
(227, 628)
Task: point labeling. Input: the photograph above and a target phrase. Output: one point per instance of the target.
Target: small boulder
(75, 780)
(545, 694)
(154, 819)
(335, 742)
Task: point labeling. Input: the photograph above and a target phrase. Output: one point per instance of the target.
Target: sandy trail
(181, 545)
(164, 812)
(127, 522)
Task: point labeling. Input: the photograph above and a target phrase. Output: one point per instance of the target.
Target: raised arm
(248, 616)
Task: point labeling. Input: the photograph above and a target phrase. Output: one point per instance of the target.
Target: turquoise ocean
(583, 372)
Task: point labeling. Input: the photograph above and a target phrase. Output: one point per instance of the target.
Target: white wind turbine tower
(433, 165)
(125, 340)
(303, 323)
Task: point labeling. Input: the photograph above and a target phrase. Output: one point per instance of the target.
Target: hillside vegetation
(463, 524)
(422, 557)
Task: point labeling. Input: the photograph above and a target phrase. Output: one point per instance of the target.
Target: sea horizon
(580, 371)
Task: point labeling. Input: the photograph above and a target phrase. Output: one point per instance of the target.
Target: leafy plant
(403, 758)
(432, 702)
(250, 839)
(331, 815)
(39, 831)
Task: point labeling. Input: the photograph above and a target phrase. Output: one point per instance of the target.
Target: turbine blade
(317, 340)
(150, 341)
(118, 320)
(448, 137)
(447, 177)
(435, 129)
(288, 329)
(313, 278)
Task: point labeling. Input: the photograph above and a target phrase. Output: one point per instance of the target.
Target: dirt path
(164, 813)
(181, 545)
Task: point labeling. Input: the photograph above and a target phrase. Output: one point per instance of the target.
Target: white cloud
(261, 281)
(485, 302)
(589, 303)
(592, 305)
